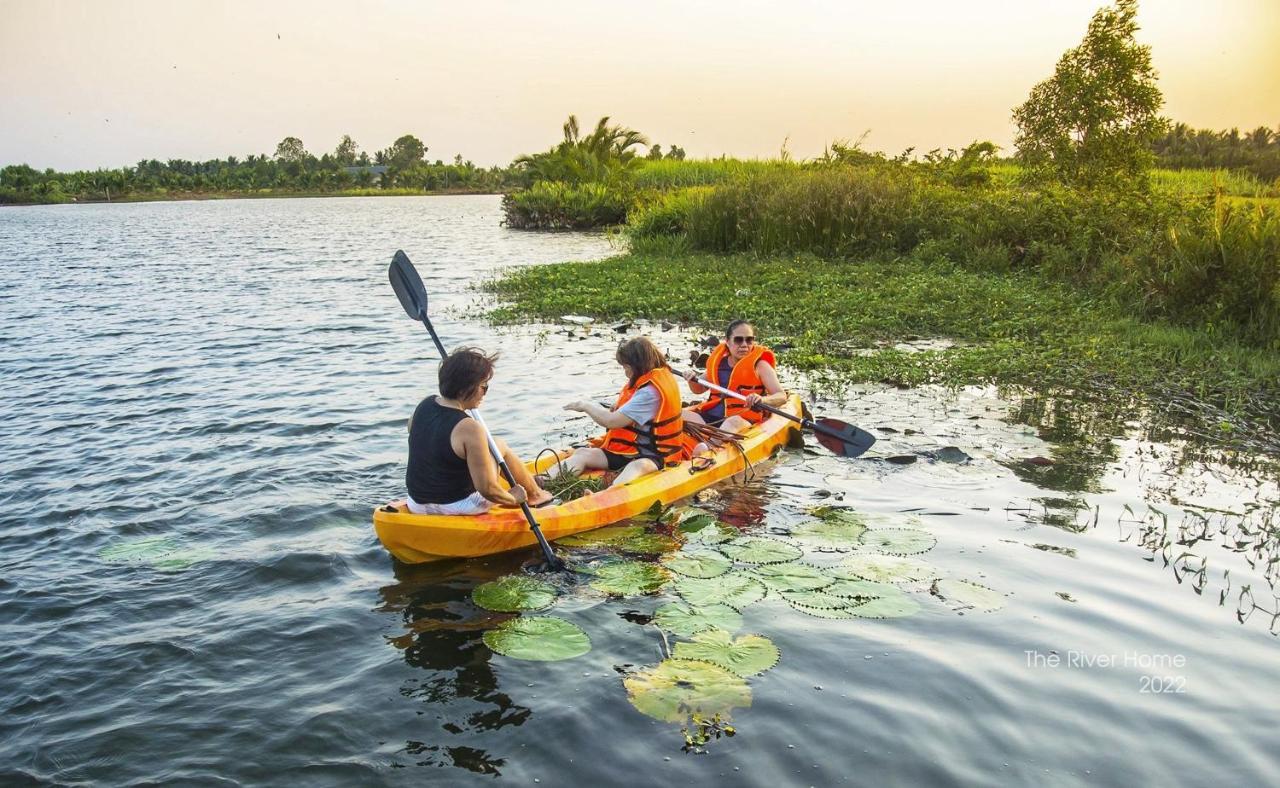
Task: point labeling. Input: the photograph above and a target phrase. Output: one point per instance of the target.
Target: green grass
(1009, 328)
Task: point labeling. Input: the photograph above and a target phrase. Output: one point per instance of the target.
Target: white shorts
(475, 503)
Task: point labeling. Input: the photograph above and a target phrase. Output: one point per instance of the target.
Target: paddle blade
(408, 286)
(841, 438)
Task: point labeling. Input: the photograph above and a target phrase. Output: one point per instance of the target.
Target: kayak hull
(420, 538)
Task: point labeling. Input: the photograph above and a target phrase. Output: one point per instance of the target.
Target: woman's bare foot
(540, 497)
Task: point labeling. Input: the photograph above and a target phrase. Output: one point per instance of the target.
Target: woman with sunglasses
(645, 425)
(450, 468)
(742, 366)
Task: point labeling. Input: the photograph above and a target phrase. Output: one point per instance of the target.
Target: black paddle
(413, 297)
(837, 436)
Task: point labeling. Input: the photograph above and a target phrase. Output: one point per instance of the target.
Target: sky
(105, 83)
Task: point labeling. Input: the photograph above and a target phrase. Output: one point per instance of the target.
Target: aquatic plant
(688, 620)
(792, 577)
(760, 550)
(882, 568)
(676, 689)
(627, 578)
(629, 538)
(835, 528)
(538, 638)
(899, 541)
(514, 593)
(569, 485)
(968, 595)
(698, 563)
(744, 656)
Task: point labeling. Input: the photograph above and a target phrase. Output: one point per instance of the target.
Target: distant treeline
(1256, 152)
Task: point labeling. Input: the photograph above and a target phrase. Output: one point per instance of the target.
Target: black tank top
(436, 474)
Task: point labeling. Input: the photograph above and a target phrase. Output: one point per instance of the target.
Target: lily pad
(839, 528)
(899, 541)
(808, 599)
(676, 689)
(759, 550)
(968, 595)
(694, 520)
(714, 534)
(700, 563)
(895, 606)
(628, 578)
(514, 593)
(538, 638)
(144, 549)
(608, 535)
(845, 612)
(793, 577)
(861, 589)
(735, 589)
(688, 620)
(881, 568)
(744, 656)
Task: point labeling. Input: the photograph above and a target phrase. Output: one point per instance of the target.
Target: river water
(203, 402)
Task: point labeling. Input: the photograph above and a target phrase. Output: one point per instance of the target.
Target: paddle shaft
(511, 480)
(803, 422)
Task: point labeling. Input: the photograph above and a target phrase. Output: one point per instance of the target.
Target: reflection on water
(202, 403)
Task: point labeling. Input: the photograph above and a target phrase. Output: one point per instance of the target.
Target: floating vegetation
(761, 550)
(880, 568)
(715, 533)
(968, 595)
(810, 599)
(569, 485)
(845, 612)
(735, 589)
(689, 620)
(628, 538)
(628, 578)
(694, 520)
(538, 638)
(700, 563)
(159, 552)
(676, 689)
(898, 605)
(836, 528)
(514, 593)
(701, 730)
(744, 656)
(899, 541)
(861, 589)
(793, 577)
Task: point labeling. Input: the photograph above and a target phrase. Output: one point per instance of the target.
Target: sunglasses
(744, 340)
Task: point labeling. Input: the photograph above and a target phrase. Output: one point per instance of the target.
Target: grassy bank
(247, 194)
(840, 320)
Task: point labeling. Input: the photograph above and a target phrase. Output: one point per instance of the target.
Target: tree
(1095, 120)
(290, 150)
(346, 151)
(405, 152)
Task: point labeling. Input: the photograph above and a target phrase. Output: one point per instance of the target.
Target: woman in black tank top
(451, 470)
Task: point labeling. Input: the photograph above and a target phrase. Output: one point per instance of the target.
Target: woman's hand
(577, 405)
(518, 492)
(691, 375)
(753, 400)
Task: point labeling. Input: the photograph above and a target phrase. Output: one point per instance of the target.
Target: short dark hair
(641, 355)
(465, 370)
(728, 332)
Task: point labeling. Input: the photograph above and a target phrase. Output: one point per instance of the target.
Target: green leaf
(744, 656)
(688, 620)
(628, 578)
(838, 528)
(514, 593)
(538, 638)
(895, 606)
(735, 589)
(793, 577)
(713, 534)
(861, 589)
(759, 550)
(968, 595)
(629, 538)
(899, 541)
(676, 689)
(817, 599)
(884, 569)
(702, 563)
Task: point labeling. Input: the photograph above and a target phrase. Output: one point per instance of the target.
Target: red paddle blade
(841, 438)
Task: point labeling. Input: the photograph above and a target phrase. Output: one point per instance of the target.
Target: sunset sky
(98, 83)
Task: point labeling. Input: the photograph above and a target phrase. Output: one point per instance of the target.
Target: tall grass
(552, 205)
(668, 174)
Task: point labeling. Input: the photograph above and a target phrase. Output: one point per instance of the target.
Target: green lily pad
(861, 589)
(881, 568)
(968, 595)
(700, 563)
(793, 577)
(840, 612)
(838, 528)
(630, 538)
(759, 550)
(693, 520)
(744, 656)
(808, 599)
(895, 606)
(514, 593)
(628, 578)
(160, 552)
(538, 638)
(899, 541)
(688, 620)
(735, 589)
(714, 534)
(676, 689)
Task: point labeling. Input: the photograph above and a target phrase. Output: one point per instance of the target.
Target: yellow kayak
(418, 538)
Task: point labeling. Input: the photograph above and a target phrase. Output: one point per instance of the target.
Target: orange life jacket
(743, 379)
(663, 435)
